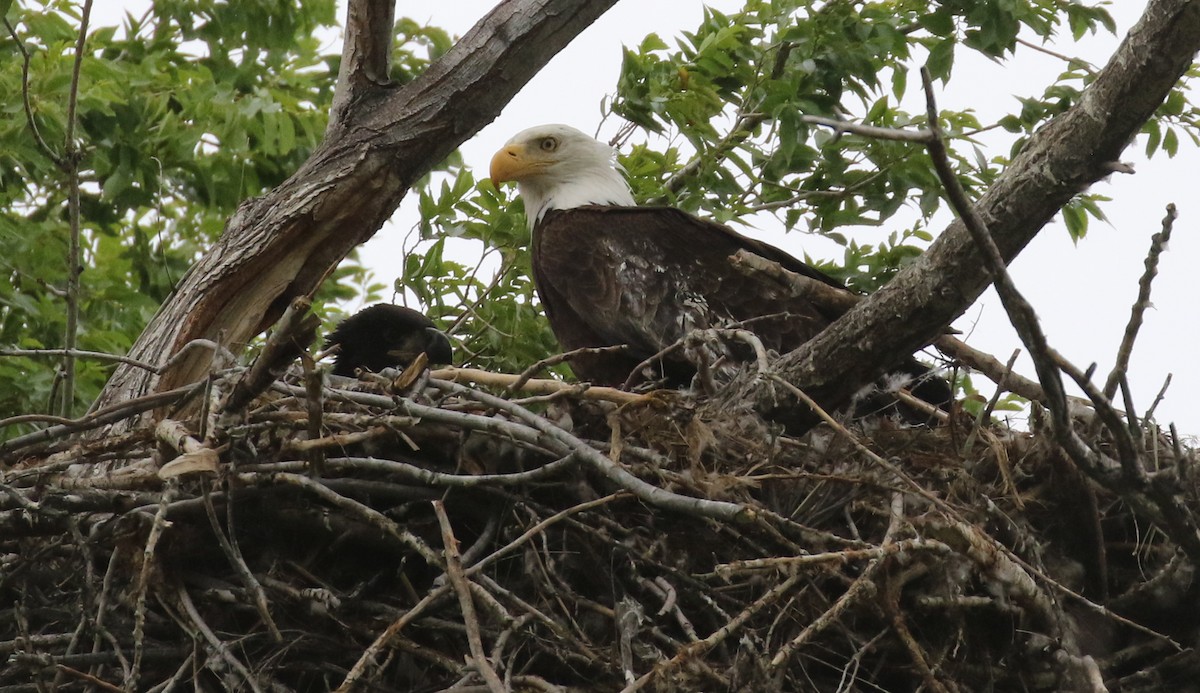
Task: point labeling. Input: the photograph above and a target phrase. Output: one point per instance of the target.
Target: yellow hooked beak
(512, 163)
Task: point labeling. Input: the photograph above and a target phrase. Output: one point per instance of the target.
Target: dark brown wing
(645, 276)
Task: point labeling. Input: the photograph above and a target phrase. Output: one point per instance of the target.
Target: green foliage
(497, 320)
(183, 114)
(974, 402)
(739, 88)
(1077, 211)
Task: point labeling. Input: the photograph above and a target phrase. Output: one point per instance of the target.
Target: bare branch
(1158, 243)
(894, 134)
(25, 100)
(454, 571)
(564, 443)
(71, 156)
(537, 386)
(100, 417)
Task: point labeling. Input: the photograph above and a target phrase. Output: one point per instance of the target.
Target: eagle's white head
(559, 167)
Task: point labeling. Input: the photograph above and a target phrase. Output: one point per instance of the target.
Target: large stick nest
(368, 536)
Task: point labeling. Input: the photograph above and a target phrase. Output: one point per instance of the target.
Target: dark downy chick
(386, 336)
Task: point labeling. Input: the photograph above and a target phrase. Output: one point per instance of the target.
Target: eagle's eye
(548, 144)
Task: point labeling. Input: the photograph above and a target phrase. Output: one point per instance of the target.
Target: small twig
(102, 417)
(296, 329)
(1082, 64)
(696, 649)
(88, 678)
(703, 369)
(870, 454)
(81, 353)
(741, 129)
(556, 359)
(106, 590)
(26, 101)
(915, 652)
(861, 585)
(985, 414)
(143, 582)
(539, 386)
(370, 656)
(314, 391)
(411, 472)
(1131, 419)
(454, 571)
(233, 554)
(876, 133)
(34, 419)
(1127, 453)
(1158, 243)
(1162, 393)
(71, 157)
(371, 516)
(197, 621)
(541, 527)
(792, 564)
(635, 372)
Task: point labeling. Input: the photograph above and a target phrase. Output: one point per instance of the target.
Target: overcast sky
(1082, 293)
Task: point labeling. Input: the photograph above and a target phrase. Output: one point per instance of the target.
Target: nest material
(438, 536)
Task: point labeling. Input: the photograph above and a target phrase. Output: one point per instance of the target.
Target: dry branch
(1158, 243)
(521, 383)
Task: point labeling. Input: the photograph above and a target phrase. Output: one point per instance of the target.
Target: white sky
(1082, 293)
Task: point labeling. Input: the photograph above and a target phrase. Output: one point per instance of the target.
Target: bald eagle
(609, 272)
(386, 336)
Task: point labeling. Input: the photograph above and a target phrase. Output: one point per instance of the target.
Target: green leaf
(941, 59)
(938, 23)
(1170, 142)
(1076, 220)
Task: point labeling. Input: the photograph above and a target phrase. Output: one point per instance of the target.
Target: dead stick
(454, 571)
(1158, 243)
(294, 332)
(540, 386)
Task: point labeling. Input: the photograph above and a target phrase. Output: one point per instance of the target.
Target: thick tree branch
(1066, 156)
(282, 245)
(365, 56)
